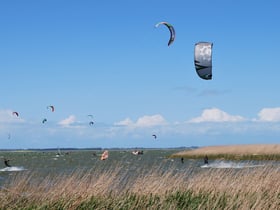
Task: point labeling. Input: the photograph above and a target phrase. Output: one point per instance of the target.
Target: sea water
(52, 163)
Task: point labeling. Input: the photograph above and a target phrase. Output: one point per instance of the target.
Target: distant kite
(44, 120)
(90, 122)
(104, 155)
(51, 107)
(15, 113)
(203, 59)
(155, 136)
(171, 30)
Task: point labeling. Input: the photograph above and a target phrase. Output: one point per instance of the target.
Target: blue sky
(106, 58)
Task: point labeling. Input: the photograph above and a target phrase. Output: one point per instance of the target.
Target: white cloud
(68, 121)
(216, 115)
(125, 122)
(139, 130)
(154, 120)
(269, 115)
(145, 121)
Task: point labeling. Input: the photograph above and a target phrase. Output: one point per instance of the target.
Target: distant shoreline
(234, 152)
(95, 148)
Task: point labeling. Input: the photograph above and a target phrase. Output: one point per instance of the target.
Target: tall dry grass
(249, 151)
(250, 188)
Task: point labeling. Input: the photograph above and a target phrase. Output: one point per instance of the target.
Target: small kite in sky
(15, 113)
(171, 30)
(51, 107)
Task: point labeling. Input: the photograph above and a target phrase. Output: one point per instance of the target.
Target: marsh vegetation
(247, 188)
(234, 152)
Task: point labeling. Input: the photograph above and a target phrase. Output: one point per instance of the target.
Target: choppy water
(48, 162)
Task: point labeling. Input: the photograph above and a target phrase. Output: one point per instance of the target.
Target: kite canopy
(51, 107)
(171, 30)
(155, 136)
(91, 121)
(104, 155)
(203, 59)
(15, 113)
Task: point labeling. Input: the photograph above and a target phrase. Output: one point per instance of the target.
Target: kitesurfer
(182, 160)
(138, 152)
(206, 159)
(6, 162)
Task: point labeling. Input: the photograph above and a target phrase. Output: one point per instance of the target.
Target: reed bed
(248, 188)
(235, 152)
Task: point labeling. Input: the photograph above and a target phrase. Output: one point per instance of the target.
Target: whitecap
(13, 168)
(224, 164)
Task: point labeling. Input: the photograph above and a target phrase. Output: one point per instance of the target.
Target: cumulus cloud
(68, 121)
(145, 121)
(125, 122)
(154, 120)
(216, 115)
(269, 115)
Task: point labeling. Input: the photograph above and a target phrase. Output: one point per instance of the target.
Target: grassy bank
(257, 188)
(234, 152)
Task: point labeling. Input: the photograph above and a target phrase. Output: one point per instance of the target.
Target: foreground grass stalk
(257, 188)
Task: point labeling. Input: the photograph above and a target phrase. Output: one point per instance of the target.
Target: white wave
(224, 164)
(13, 168)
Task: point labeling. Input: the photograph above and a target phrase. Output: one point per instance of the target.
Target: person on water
(182, 160)
(206, 159)
(6, 162)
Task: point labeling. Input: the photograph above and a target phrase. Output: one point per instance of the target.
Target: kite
(104, 155)
(155, 136)
(171, 30)
(15, 113)
(203, 59)
(44, 120)
(91, 122)
(51, 107)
